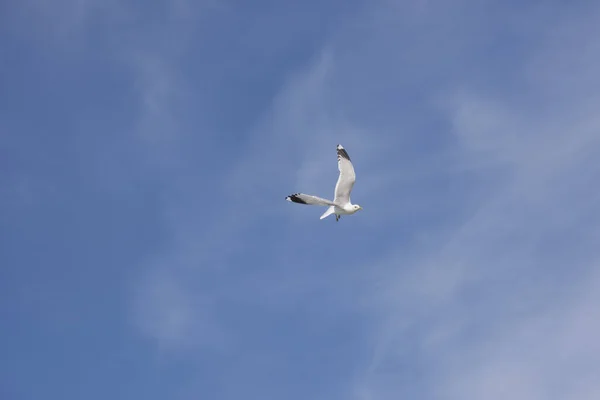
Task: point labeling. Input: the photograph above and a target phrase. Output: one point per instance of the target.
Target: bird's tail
(327, 213)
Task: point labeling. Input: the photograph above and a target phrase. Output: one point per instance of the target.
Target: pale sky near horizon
(147, 251)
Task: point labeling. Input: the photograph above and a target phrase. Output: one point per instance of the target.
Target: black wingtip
(342, 152)
(295, 199)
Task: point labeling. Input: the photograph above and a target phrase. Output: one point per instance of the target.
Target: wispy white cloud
(501, 304)
(551, 354)
(202, 245)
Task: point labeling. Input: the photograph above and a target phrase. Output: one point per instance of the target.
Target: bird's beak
(359, 207)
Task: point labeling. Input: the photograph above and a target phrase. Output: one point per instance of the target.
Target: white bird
(341, 204)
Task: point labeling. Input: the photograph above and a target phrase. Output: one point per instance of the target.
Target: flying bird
(341, 204)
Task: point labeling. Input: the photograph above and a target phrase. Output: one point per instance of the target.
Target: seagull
(341, 204)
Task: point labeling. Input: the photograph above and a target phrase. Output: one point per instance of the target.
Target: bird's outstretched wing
(302, 198)
(346, 178)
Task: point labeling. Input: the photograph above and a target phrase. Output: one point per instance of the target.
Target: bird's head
(356, 207)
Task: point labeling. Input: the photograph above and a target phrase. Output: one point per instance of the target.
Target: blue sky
(147, 251)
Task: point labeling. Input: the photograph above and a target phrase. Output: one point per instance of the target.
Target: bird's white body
(341, 204)
(346, 209)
